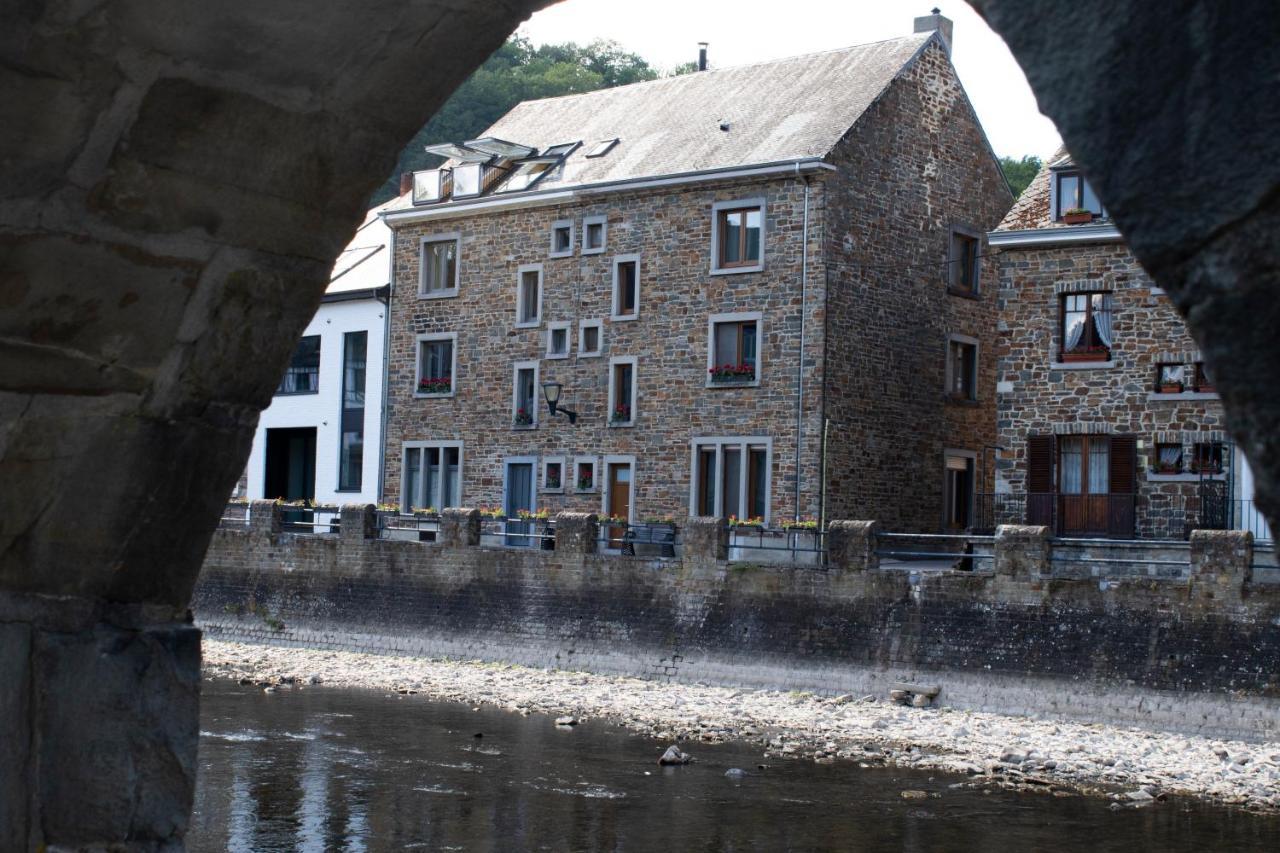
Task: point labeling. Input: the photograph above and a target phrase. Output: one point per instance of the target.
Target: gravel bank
(1133, 767)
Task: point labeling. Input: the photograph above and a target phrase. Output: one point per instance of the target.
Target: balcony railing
(1123, 516)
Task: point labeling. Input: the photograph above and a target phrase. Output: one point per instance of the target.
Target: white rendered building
(321, 437)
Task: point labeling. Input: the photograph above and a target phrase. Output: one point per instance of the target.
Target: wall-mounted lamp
(551, 390)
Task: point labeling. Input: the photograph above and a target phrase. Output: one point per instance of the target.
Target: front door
(1084, 484)
(959, 494)
(519, 496)
(290, 465)
(619, 500)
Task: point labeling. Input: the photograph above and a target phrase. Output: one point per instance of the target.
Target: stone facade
(854, 318)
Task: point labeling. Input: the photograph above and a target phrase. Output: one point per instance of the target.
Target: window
(553, 474)
(963, 262)
(737, 236)
(430, 185)
(731, 477)
(1168, 459)
(626, 287)
(1207, 458)
(601, 148)
(590, 338)
(436, 363)
(524, 395)
(432, 475)
(355, 346)
(562, 238)
(958, 483)
(526, 175)
(593, 234)
(438, 266)
(1203, 383)
(1169, 378)
(1072, 193)
(622, 391)
(733, 350)
(1082, 484)
(962, 368)
(529, 295)
(557, 340)
(303, 374)
(1086, 327)
(466, 179)
(584, 474)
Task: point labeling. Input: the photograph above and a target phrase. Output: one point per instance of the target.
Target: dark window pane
(303, 373)
(351, 452)
(731, 237)
(751, 251)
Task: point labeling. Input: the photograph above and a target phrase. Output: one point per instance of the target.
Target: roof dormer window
(1074, 197)
(466, 179)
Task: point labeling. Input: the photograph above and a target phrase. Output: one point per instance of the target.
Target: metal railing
(803, 544)
(316, 520)
(935, 551)
(1154, 515)
(640, 538)
(419, 526)
(518, 533)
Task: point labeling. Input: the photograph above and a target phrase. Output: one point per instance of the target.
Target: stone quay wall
(1195, 653)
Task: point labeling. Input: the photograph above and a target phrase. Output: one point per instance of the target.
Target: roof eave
(1055, 236)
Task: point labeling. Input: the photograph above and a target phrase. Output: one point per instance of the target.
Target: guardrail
(935, 551)
(518, 533)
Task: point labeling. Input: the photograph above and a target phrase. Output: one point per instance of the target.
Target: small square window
(962, 369)
(584, 474)
(739, 237)
(438, 272)
(303, 373)
(1207, 458)
(562, 238)
(1170, 378)
(558, 340)
(626, 287)
(734, 342)
(529, 295)
(601, 148)
(963, 263)
(435, 365)
(594, 234)
(553, 474)
(1074, 199)
(590, 338)
(1168, 459)
(1086, 327)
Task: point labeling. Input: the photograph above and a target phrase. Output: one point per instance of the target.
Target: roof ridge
(709, 71)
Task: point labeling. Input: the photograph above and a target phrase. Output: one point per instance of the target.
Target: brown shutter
(1040, 479)
(1124, 485)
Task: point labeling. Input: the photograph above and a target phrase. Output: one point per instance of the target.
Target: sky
(667, 32)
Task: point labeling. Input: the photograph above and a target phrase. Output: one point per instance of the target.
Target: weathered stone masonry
(1195, 653)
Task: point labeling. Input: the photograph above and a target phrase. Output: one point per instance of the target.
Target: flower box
(1087, 355)
(1168, 469)
(522, 418)
(586, 484)
(621, 415)
(1170, 388)
(732, 374)
(435, 386)
(1077, 216)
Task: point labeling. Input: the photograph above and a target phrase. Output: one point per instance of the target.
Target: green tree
(517, 72)
(1019, 173)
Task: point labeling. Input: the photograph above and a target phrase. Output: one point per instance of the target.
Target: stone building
(1108, 422)
(761, 290)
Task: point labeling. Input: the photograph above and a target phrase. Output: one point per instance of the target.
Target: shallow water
(321, 769)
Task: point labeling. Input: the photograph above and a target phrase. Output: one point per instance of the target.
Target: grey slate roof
(365, 263)
(786, 109)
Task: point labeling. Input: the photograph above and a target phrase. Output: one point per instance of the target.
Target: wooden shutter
(1124, 485)
(1040, 479)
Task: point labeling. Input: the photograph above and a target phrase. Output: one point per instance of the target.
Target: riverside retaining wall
(1200, 653)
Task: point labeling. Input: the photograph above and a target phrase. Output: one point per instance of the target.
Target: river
(323, 768)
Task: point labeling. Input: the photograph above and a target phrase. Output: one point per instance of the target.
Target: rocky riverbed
(1134, 768)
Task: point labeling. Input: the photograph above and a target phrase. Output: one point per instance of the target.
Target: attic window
(602, 147)
(1074, 195)
(525, 176)
(561, 150)
(466, 179)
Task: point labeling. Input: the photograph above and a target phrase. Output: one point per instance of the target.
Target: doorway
(517, 496)
(617, 500)
(958, 497)
(290, 464)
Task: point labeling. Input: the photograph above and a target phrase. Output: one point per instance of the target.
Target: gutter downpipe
(804, 277)
(386, 365)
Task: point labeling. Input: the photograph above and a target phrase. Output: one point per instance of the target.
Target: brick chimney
(935, 21)
(406, 182)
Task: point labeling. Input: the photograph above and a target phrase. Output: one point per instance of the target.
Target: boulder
(673, 755)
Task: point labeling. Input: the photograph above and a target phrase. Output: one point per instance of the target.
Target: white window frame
(618, 260)
(564, 473)
(598, 325)
(743, 443)
(629, 461)
(448, 292)
(515, 392)
(738, 317)
(452, 337)
(973, 379)
(555, 226)
(594, 462)
(734, 204)
(634, 362)
(560, 326)
(428, 445)
(603, 222)
(537, 319)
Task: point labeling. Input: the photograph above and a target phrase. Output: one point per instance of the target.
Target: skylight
(602, 147)
(454, 151)
(560, 150)
(499, 147)
(466, 179)
(526, 175)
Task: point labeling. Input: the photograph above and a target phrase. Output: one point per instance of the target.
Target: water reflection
(322, 769)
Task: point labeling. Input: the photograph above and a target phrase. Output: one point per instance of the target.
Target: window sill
(438, 294)
(1190, 396)
(558, 490)
(961, 401)
(531, 324)
(755, 383)
(1184, 477)
(347, 491)
(736, 270)
(623, 318)
(1082, 365)
(533, 425)
(595, 354)
(584, 491)
(599, 251)
(296, 393)
(621, 424)
(423, 395)
(568, 254)
(552, 356)
(966, 294)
